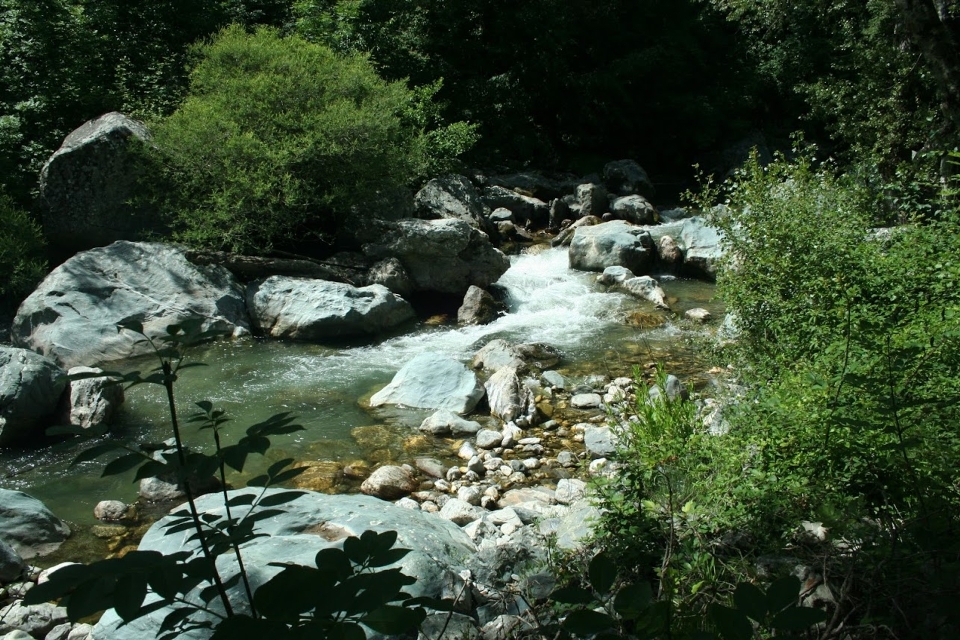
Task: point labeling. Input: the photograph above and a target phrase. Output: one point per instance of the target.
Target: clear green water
(326, 387)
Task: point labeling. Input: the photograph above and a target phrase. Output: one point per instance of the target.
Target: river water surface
(325, 387)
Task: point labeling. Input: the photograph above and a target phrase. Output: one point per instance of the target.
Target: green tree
(281, 140)
(21, 252)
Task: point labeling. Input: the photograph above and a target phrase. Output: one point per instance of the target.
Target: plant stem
(233, 542)
(168, 378)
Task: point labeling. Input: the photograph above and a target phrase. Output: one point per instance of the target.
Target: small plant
(346, 588)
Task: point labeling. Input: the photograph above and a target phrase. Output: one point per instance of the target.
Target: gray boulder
(533, 184)
(28, 526)
(445, 256)
(451, 196)
(30, 389)
(445, 422)
(702, 248)
(432, 381)
(645, 288)
(599, 441)
(526, 209)
(91, 401)
(389, 482)
(306, 525)
(306, 309)
(479, 307)
(592, 199)
(634, 209)
(594, 248)
(508, 397)
(86, 187)
(73, 315)
(37, 620)
(11, 564)
(499, 353)
(391, 274)
(626, 177)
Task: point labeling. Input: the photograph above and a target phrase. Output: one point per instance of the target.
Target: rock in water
(86, 187)
(30, 389)
(451, 196)
(73, 315)
(432, 381)
(28, 526)
(594, 248)
(445, 256)
(306, 309)
(91, 401)
(479, 307)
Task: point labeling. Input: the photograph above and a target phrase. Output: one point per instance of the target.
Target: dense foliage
(21, 251)
(281, 139)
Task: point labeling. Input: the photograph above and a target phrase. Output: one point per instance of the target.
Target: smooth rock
(570, 490)
(308, 309)
(479, 307)
(113, 510)
(306, 525)
(460, 512)
(488, 438)
(36, 619)
(507, 397)
(703, 248)
(28, 526)
(30, 389)
(586, 401)
(432, 381)
(599, 441)
(12, 565)
(592, 199)
(634, 209)
(594, 248)
(389, 483)
(698, 315)
(73, 314)
(444, 422)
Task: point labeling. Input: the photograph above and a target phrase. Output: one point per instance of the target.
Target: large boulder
(508, 397)
(86, 187)
(619, 243)
(479, 307)
(307, 309)
(432, 381)
(92, 399)
(702, 248)
(73, 315)
(533, 184)
(30, 389)
(445, 256)
(627, 177)
(634, 209)
(451, 196)
(526, 209)
(303, 527)
(28, 526)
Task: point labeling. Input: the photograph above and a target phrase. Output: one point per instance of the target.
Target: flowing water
(325, 387)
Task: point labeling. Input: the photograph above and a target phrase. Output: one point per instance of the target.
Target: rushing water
(325, 387)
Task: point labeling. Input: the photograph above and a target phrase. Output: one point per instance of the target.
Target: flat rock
(28, 526)
(444, 422)
(432, 381)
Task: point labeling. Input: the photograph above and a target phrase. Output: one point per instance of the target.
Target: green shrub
(282, 140)
(21, 251)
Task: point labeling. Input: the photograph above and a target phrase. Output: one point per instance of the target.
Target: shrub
(281, 140)
(21, 251)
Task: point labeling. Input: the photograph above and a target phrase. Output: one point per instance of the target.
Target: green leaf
(128, 595)
(751, 601)
(783, 593)
(91, 597)
(242, 499)
(732, 624)
(797, 618)
(393, 620)
(633, 599)
(572, 595)
(124, 464)
(586, 622)
(281, 497)
(602, 572)
(335, 562)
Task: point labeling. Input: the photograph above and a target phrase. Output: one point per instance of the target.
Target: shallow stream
(326, 387)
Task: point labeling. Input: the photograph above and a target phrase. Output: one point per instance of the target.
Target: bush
(281, 140)
(21, 251)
